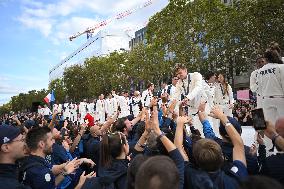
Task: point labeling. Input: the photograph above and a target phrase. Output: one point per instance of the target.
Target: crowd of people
(184, 137)
(242, 111)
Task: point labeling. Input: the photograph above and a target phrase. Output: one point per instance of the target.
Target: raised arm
(271, 133)
(51, 124)
(238, 149)
(207, 128)
(181, 120)
(108, 123)
(142, 140)
(76, 141)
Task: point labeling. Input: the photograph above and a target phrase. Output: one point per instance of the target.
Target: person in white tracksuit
(189, 89)
(147, 95)
(101, 108)
(91, 107)
(73, 112)
(224, 96)
(209, 86)
(83, 107)
(260, 62)
(111, 106)
(271, 85)
(66, 110)
(55, 107)
(136, 103)
(170, 89)
(123, 102)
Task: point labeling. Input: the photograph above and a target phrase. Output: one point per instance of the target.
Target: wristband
(275, 136)
(140, 145)
(161, 135)
(228, 123)
(80, 134)
(64, 173)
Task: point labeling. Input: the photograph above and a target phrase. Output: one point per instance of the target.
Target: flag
(50, 97)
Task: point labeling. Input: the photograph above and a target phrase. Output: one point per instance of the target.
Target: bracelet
(140, 145)
(275, 136)
(161, 135)
(228, 123)
(63, 173)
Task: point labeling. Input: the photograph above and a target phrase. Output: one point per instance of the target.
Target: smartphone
(258, 119)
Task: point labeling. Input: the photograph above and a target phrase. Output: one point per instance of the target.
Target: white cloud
(44, 25)
(60, 20)
(8, 89)
(14, 84)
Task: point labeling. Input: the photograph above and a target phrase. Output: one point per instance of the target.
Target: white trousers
(273, 108)
(102, 117)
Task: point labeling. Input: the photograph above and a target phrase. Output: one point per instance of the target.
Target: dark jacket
(273, 166)
(113, 177)
(37, 173)
(8, 177)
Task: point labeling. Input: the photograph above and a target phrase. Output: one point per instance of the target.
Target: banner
(243, 95)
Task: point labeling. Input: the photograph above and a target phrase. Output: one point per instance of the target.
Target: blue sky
(34, 35)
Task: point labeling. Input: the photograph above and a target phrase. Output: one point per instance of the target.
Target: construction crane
(107, 21)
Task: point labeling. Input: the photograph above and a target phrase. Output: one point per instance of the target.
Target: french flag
(50, 97)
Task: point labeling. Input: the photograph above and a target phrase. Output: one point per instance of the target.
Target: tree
(58, 87)
(76, 82)
(211, 35)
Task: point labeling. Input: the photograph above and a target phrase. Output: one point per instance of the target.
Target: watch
(63, 173)
(161, 135)
(228, 123)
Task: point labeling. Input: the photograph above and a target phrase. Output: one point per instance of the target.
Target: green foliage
(59, 89)
(212, 35)
(75, 82)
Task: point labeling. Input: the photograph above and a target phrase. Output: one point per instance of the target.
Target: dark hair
(133, 169)
(236, 125)
(159, 172)
(273, 53)
(208, 75)
(111, 147)
(208, 155)
(35, 135)
(260, 182)
(177, 67)
(119, 125)
(149, 85)
(225, 82)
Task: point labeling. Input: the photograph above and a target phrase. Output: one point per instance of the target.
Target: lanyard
(222, 90)
(183, 85)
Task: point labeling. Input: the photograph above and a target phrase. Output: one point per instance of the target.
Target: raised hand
(83, 178)
(71, 166)
(184, 119)
(216, 112)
